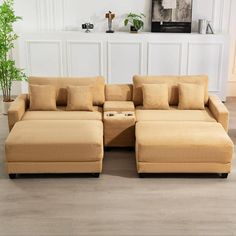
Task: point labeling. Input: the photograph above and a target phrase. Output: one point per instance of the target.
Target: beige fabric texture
(17, 110)
(119, 92)
(53, 167)
(118, 106)
(174, 114)
(55, 141)
(119, 129)
(42, 98)
(155, 96)
(219, 111)
(62, 114)
(79, 98)
(97, 84)
(144, 167)
(191, 96)
(172, 81)
(190, 142)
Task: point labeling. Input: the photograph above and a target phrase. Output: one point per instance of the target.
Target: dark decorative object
(110, 16)
(172, 16)
(88, 27)
(210, 29)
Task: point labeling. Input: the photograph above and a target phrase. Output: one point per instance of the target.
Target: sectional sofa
(63, 124)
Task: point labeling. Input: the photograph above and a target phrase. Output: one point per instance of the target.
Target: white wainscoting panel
(206, 58)
(124, 61)
(44, 58)
(164, 58)
(234, 69)
(84, 58)
(118, 57)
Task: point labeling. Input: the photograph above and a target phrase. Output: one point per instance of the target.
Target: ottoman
(183, 147)
(55, 146)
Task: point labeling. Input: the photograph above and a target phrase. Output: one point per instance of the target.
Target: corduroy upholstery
(55, 141)
(119, 92)
(189, 145)
(118, 106)
(62, 114)
(174, 140)
(172, 82)
(97, 85)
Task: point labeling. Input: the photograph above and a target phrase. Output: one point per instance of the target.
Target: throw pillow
(191, 96)
(155, 96)
(42, 98)
(79, 98)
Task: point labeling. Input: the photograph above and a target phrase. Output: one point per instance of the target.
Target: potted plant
(136, 22)
(8, 70)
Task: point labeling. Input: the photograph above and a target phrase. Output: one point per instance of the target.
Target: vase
(5, 107)
(133, 30)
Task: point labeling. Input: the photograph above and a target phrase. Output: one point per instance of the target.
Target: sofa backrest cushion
(97, 85)
(172, 82)
(119, 92)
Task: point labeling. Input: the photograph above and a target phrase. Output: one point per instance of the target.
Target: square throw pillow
(156, 96)
(42, 98)
(79, 98)
(191, 96)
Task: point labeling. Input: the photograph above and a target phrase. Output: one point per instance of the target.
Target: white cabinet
(119, 56)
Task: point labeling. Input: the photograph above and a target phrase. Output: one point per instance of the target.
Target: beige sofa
(181, 141)
(58, 141)
(165, 141)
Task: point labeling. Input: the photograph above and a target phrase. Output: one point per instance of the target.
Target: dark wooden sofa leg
(141, 175)
(224, 175)
(12, 176)
(96, 175)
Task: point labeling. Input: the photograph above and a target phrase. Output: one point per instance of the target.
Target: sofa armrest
(17, 110)
(118, 106)
(219, 111)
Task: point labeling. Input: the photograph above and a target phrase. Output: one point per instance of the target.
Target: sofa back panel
(97, 84)
(172, 81)
(119, 92)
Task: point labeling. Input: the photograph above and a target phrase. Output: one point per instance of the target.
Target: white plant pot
(5, 107)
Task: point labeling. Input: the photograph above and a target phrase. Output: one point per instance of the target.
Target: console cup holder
(119, 113)
(128, 114)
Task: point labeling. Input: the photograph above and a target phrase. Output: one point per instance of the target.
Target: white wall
(232, 66)
(70, 14)
(119, 56)
(52, 15)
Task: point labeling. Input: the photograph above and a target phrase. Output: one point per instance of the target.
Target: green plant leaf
(8, 70)
(135, 20)
(126, 22)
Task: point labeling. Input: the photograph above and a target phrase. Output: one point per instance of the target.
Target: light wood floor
(118, 203)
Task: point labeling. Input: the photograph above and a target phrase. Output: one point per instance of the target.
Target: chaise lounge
(180, 138)
(55, 140)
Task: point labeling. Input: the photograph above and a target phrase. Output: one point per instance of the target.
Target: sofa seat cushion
(174, 114)
(55, 141)
(62, 114)
(188, 142)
